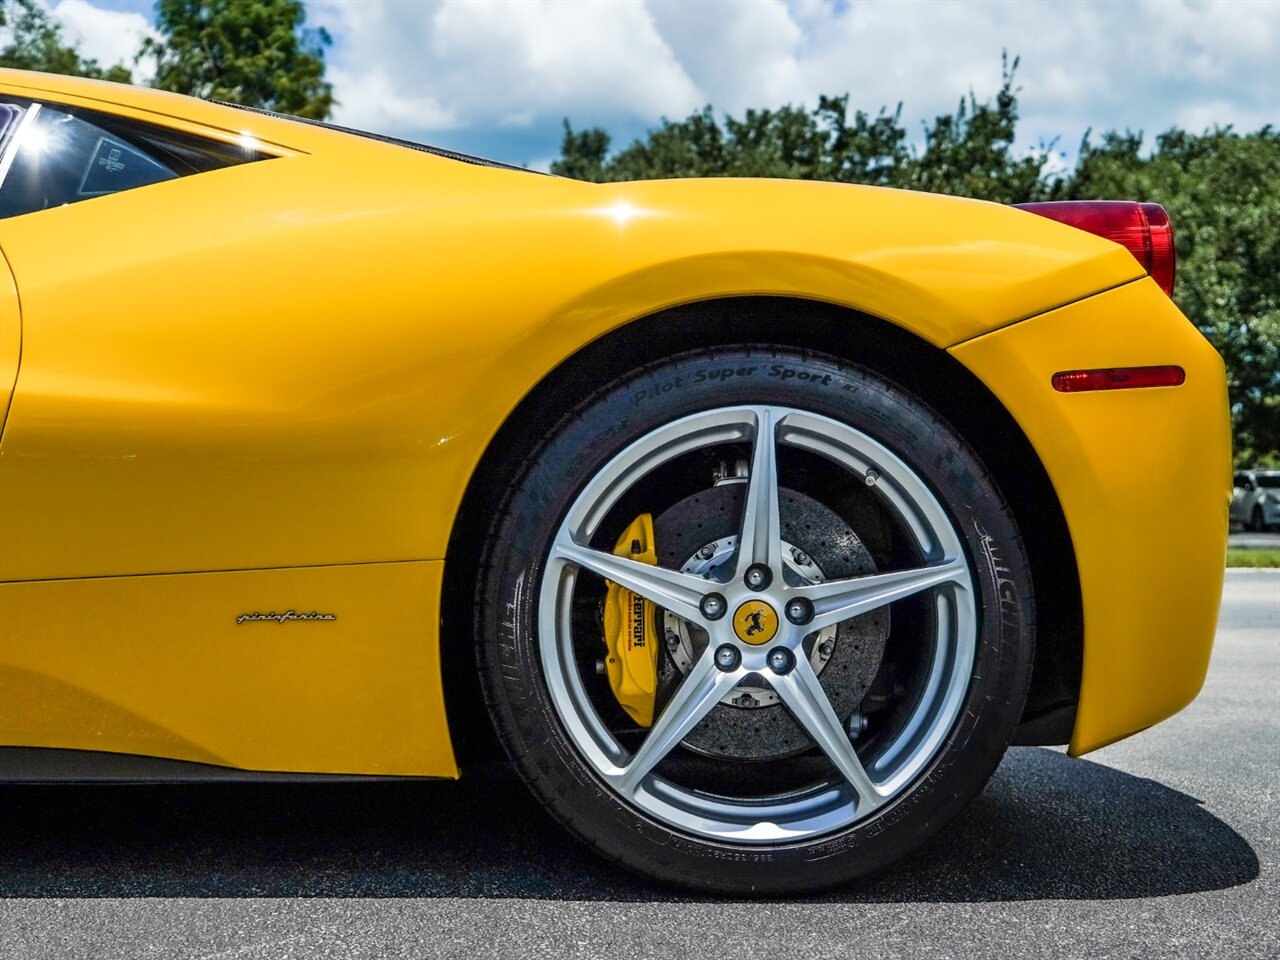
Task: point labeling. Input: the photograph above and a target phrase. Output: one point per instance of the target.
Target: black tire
(1256, 520)
(588, 437)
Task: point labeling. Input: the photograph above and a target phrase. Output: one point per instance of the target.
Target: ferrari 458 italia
(753, 520)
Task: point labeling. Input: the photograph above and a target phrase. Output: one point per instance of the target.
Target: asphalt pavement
(1165, 845)
(1251, 540)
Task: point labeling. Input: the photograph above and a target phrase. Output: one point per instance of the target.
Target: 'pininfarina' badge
(285, 617)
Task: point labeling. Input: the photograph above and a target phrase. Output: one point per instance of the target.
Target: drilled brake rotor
(700, 531)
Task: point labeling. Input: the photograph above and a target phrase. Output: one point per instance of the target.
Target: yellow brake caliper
(629, 631)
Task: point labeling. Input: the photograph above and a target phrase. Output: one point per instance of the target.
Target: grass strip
(1253, 558)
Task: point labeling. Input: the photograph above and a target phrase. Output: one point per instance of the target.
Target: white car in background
(1255, 501)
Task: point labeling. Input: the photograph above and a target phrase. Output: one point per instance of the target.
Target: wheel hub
(755, 622)
(698, 535)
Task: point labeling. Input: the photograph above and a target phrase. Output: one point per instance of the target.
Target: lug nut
(799, 611)
(857, 724)
(781, 660)
(758, 576)
(728, 658)
(713, 606)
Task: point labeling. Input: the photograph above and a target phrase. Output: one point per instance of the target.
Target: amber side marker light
(1118, 378)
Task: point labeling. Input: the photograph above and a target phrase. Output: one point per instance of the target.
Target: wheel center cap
(755, 622)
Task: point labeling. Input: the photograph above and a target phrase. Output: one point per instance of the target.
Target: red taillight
(1118, 378)
(1141, 228)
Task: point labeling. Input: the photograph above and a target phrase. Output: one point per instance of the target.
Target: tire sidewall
(586, 440)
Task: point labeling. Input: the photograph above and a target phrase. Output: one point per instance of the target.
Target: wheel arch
(891, 351)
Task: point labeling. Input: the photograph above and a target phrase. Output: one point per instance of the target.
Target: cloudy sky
(497, 78)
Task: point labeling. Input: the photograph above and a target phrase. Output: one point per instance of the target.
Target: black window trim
(383, 138)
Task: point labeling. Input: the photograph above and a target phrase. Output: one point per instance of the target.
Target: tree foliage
(36, 43)
(253, 52)
(1221, 188)
(968, 153)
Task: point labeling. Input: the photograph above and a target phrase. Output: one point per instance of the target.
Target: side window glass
(61, 159)
(52, 155)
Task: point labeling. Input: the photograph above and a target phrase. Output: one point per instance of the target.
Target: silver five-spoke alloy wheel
(860, 782)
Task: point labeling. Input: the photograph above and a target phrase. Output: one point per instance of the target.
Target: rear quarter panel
(1144, 478)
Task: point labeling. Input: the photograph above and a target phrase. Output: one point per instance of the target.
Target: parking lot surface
(1254, 540)
(1165, 845)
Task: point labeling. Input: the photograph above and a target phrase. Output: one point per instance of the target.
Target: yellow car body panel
(1144, 479)
(296, 364)
(160, 666)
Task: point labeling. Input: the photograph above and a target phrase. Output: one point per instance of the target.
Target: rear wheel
(837, 605)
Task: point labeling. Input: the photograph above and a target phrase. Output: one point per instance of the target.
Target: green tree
(968, 153)
(253, 52)
(789, 142)
(36, 43)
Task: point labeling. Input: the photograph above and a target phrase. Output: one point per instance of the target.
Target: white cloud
(106, 35)
(740, 55)
(488, 63)
(422, 68)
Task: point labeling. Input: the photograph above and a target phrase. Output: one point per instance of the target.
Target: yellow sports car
(755, 518)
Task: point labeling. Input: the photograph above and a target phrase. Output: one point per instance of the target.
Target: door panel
(193, 397)
(204, 430)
